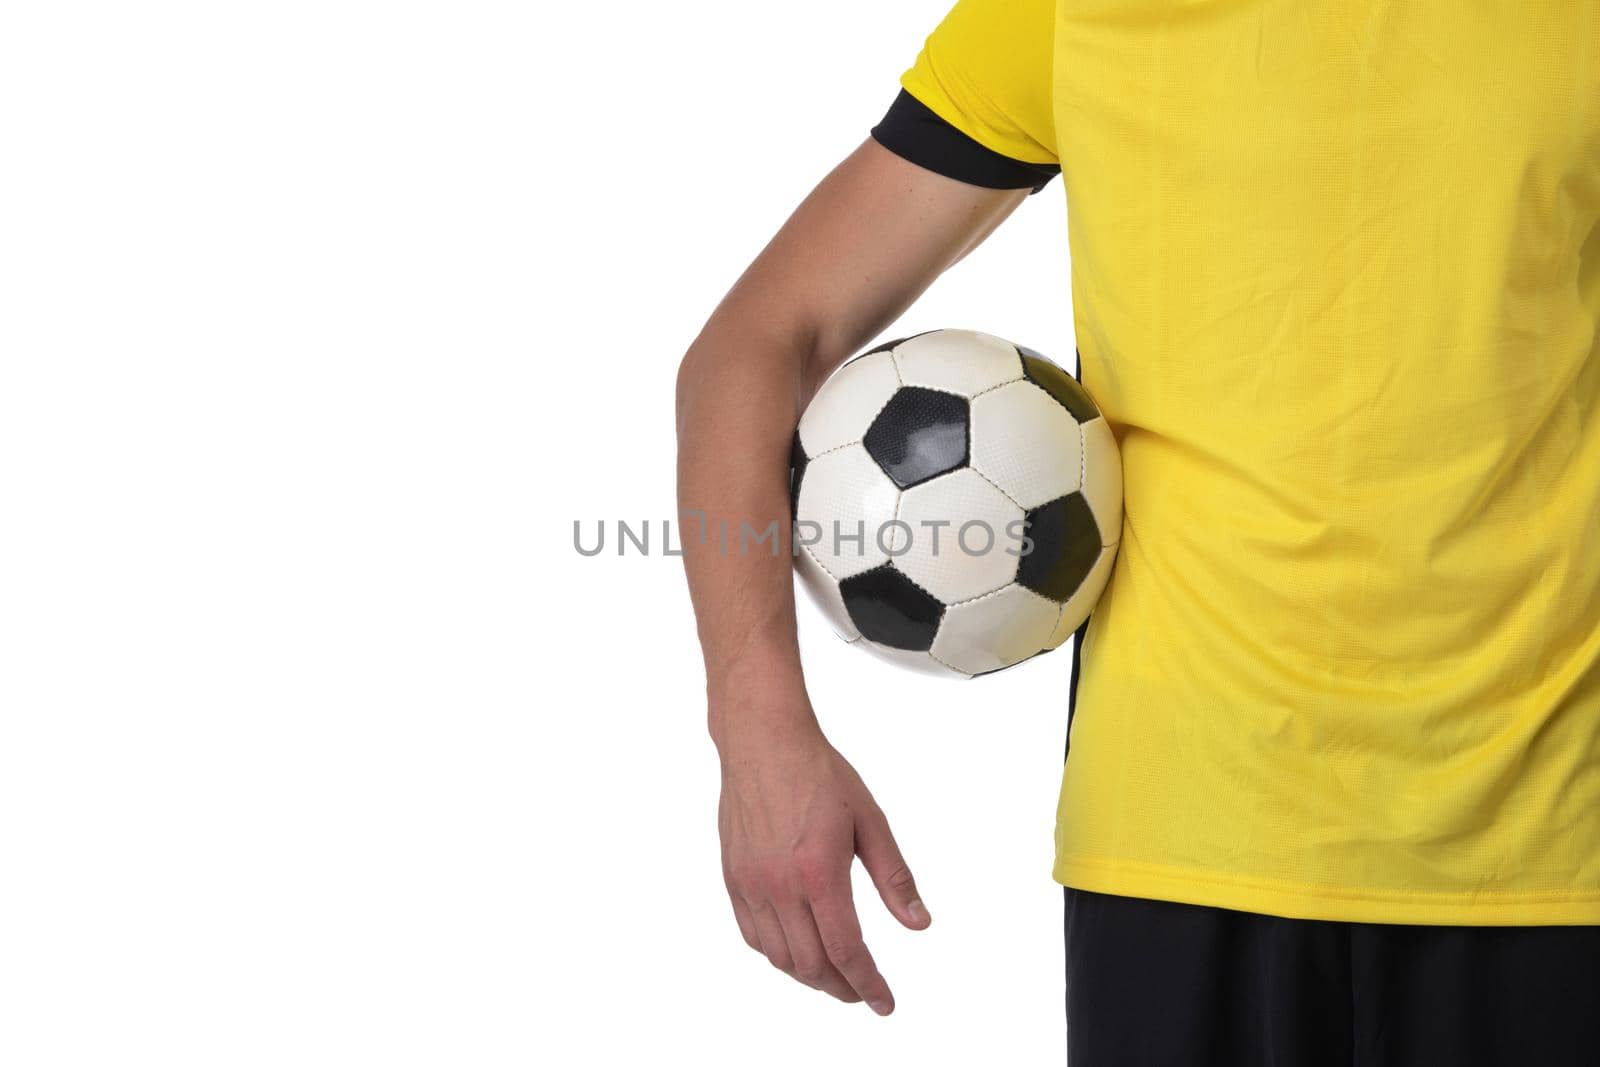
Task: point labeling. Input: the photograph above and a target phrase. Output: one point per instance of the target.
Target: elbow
(691, 372)
(758, 363)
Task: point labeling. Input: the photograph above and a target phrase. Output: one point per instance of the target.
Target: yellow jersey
(1335, 285)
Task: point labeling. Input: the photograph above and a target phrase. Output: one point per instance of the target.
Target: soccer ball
(957, 502)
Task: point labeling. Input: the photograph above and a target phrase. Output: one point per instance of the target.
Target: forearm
(740, 389)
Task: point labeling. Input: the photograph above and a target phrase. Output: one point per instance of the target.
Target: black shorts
(1179, 985)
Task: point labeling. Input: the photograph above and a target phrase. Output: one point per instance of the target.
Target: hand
(793, 815)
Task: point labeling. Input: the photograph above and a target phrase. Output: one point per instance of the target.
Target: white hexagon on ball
(961, 530)
(845, 493)
(964, 362)
(824, 592)
(1026, 443)
(995, 631)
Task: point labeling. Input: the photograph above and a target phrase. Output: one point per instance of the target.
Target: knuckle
(810, 971)
(814, 871)
(760, 880)
(900, 877)
(843, 951)
(779, 876)
(740, 875)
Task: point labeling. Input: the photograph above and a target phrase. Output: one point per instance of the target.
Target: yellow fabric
(1335, 283)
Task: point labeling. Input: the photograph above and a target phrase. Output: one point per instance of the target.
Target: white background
(320, 324)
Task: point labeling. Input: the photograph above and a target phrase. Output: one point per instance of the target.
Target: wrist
(754, 683)
(746, 714)
(753, 737)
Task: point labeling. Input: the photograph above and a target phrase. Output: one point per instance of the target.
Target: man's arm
(793, 813)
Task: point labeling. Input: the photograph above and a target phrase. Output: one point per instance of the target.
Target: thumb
(887, 868)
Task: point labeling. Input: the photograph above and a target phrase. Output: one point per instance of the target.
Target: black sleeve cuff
(912, 131)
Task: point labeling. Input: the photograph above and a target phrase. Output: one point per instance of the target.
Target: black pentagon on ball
(1066, 544)
(891, 609)
(797, 471)
(919, 434)
(1067, 390)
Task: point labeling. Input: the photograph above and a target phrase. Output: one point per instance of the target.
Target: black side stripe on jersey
(1072, 687)
(912, 131)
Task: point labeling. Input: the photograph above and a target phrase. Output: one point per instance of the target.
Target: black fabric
(1072, 686)
(912, 131)
(1083, 627)
(1157, 984)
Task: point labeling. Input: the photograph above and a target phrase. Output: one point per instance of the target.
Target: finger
(840, 931)
(811, 963)
(747, 922)
(881, 857)
(769, 932)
